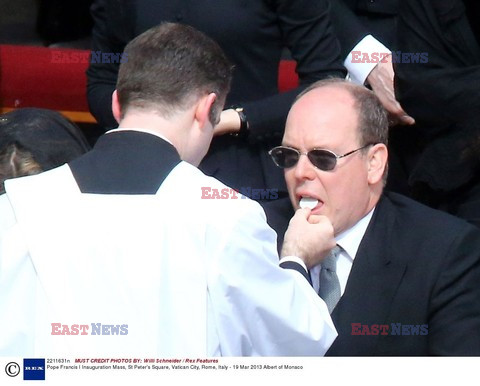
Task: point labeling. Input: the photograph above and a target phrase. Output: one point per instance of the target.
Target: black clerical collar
(125, 162)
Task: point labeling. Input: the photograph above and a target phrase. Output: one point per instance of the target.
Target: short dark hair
(167, 66)
(372, 116)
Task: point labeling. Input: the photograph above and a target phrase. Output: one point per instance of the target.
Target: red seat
(54, 78)
(43, 77)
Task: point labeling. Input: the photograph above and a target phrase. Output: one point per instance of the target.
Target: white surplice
(189, 277)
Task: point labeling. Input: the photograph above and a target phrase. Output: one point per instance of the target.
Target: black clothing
(441, 154)
(416, 268)
(354, 19)
(116, 165)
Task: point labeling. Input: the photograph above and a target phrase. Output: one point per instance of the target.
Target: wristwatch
(243, 132)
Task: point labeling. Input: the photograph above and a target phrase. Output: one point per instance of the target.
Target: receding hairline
(327, 87)
(338, 84)
(352, 90)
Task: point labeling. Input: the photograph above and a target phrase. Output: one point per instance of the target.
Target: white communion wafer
(308, 202)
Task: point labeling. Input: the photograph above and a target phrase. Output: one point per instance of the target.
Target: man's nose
(304, 169)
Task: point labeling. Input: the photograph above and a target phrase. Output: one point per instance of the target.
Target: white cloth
(358, 72)
(189, 276)
(350, 242)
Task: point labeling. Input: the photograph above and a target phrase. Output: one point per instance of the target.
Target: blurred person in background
(33, 140)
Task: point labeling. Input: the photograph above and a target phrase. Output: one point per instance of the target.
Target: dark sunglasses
(286, 157)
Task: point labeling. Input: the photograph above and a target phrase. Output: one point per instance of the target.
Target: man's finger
(317, 219)
(303, 212)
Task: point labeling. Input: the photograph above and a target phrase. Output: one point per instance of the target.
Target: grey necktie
(329, 289)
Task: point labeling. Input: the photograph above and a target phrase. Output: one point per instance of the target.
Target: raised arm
(109, 35)
(261, 309)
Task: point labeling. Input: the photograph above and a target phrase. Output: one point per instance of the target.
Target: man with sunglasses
(404, 278)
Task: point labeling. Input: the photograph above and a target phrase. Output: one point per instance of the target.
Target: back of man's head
(168, 66)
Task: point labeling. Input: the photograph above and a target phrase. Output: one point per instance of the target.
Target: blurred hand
(381, 81)
(229, 123)
(309, 237)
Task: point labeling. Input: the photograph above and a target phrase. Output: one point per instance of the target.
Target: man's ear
(377, 163)
(116, 110)
(204, 106)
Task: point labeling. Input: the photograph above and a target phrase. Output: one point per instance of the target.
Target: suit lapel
(371, 286)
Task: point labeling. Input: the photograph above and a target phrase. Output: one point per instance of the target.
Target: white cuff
(358, 68)
(294, 259)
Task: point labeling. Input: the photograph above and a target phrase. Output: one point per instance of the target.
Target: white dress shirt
(358, 72)
(349, 241)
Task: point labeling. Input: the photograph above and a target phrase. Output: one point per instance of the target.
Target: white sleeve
(261, 309)
(294, 259)
(358, 71)
(17, 286)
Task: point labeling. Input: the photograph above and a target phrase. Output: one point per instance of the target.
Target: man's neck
(174, 129)
(141, 130)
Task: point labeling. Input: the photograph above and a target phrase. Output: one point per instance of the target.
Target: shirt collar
(142, 131)
(350, 239)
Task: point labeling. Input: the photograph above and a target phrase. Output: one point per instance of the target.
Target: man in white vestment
(120, 252)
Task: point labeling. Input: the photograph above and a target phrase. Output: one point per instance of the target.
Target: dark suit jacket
(440, 155)
(415, 266)
(354, 19)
